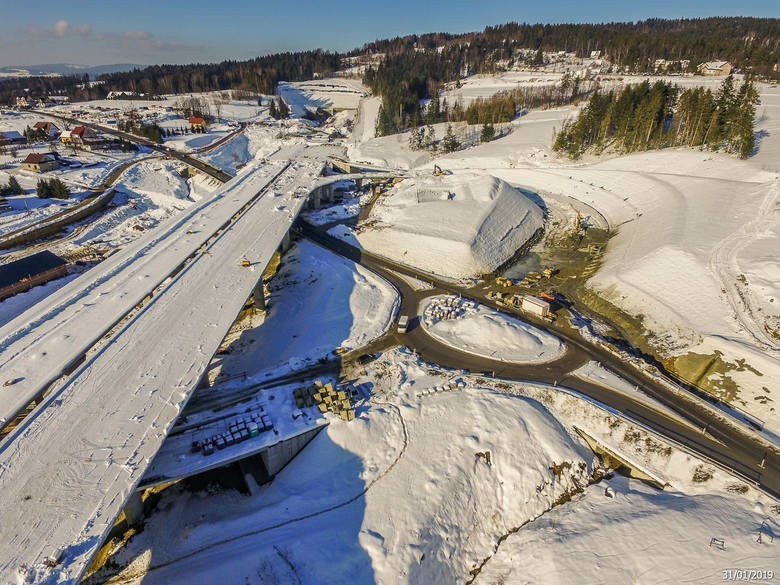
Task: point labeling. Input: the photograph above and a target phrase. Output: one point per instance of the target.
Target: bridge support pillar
(258, 296)
(286, 242)
(328, 193)
(134, 509)
(317, 197)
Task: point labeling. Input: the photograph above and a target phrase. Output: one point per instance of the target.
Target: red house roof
(197, 121)
(36, 158)
(78, 131)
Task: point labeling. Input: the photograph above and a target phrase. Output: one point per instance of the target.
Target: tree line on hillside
(745, 41)
(658, 115)
(416, 67)
(397, 112)
(258, 76)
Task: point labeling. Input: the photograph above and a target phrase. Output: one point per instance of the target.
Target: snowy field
(405, 494)
(638, 535)
(318, 302)
(254, 143)
(694, 252)
(337, 93)
(460, 225)
(472, 328)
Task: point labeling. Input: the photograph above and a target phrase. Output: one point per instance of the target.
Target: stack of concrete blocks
(327, 398)
(458, 384)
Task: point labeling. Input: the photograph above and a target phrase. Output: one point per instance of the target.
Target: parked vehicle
(403, 324)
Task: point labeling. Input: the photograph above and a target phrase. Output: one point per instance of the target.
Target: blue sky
(94, 32)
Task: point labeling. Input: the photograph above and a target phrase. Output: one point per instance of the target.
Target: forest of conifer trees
(659, 115)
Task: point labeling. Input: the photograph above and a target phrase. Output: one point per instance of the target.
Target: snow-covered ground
(639, 535)
(349, 208)
(405, 494)
(693, 255)
(410, 500)
(318, 302)
(476, 329)
(458, 225)
(337, 93)
(254, 143)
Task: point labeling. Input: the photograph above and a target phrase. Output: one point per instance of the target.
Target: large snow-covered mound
(470, 327)
(456, 225)
(158, 180)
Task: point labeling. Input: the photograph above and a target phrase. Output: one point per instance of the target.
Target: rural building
(11, 137)
(21, 102)
(22, 275)
(80, 136)
(535, 306)
(714, 68)
(198, 123)
(40, 163)
(47, 130)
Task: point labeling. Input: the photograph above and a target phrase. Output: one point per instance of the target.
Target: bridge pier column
(134, 509)
(258, 296)
(315, 199)
(329, 193)
(286, 242)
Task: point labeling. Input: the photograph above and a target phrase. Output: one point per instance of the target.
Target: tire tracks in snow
(724, 264)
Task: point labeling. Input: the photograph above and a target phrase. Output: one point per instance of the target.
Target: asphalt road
(725, 442)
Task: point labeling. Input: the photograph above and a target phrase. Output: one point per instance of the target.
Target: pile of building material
(239, 429)
(458, 384)
(447, 308)
(338, 400)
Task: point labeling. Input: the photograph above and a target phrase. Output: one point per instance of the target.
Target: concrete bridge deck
(67, 470)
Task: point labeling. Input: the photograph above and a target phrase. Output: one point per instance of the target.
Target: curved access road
(703, 428)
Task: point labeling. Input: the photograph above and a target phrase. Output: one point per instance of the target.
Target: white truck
(403, 323)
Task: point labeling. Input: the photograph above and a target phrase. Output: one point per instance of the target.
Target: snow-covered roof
(714, 64)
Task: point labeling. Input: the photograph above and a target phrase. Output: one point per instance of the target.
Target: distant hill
(63, 69)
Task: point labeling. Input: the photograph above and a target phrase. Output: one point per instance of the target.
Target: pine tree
(488, 132)
(449, 142)
(284, 111)
(43, 189)
(272, 111)
(538, 58)
(14, 188)
(430, 138)
(58, 189)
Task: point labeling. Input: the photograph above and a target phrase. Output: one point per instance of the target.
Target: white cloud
(63, 28)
